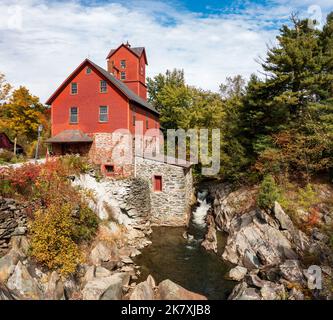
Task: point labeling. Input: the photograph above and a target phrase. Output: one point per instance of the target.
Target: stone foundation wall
(104, 151)
(13, 222)
(171, 206)
(133, 197)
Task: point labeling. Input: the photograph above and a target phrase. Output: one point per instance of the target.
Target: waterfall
(200, 213)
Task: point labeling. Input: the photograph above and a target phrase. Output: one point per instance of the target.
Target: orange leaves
(313, 217)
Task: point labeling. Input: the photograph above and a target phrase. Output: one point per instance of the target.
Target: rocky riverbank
(108, 271)
(270, 253)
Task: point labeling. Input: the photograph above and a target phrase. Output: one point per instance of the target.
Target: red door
(157, 183)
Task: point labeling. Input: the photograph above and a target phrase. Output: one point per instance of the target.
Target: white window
(103, 114)
(88, 70)
(123, 64)
(73, 117)
(123, 75)
(103, 86)
(74, 88)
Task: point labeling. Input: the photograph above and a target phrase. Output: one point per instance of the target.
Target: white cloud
(55, 37)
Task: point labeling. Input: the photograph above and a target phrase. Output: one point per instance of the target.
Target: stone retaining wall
(132, 195)
(13, 222)
(171, 206)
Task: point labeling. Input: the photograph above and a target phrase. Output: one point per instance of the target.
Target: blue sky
(42, 41)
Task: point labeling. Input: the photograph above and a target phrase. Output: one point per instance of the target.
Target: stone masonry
(171, 206)
(132, 195)
(13, 222)
(106, 150)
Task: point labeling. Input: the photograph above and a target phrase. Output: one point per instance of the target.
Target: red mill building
(93, 104)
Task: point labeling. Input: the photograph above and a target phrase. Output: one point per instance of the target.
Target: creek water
(176, 254)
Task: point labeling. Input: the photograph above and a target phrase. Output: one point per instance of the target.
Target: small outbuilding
(7, 144)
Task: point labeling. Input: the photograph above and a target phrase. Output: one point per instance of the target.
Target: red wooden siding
(135, 80)
(88, 100)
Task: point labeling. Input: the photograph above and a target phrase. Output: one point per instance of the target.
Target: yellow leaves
(51, 242)
(23, 113)
(4, 88)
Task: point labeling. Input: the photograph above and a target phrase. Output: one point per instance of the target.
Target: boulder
(169, 290)
(254, 280)
(296, 294)
(210, 242)
(282, 217)
(7, 264)
(90, 274)
(20, 244)
(101, 272)
(106, 288)
(254, 243)
(5, 293)
(55, 288)
(237, 273)
(243, 292)
(272, 291)
(105, 254)
(319, 236)
(144, 290)
(127, 260)
(228, 203)
(72, 289)
(22, 282)
(292, 271)
(95, 272)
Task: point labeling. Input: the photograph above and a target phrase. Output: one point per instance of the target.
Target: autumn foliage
(60, 220)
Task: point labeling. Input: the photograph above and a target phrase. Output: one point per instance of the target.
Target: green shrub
(307, 196)
(76, 164)
(86, 224)
(269, 192)
(6, 188)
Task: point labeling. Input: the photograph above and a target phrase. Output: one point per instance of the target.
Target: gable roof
(108, 77)
(138, 51)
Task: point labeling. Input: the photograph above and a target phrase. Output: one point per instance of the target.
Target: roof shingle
(70, 136)
(124, 88)
(137, 51)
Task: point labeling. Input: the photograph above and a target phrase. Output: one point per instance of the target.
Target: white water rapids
(200, 213)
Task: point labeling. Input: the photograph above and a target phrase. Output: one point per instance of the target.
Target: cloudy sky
(41, 42)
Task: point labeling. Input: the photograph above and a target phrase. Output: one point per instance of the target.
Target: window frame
(90, 70)
(123, 66)
(107, 114)
(71, 88)
(100, 86)
(121, 75)
(70, 115)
